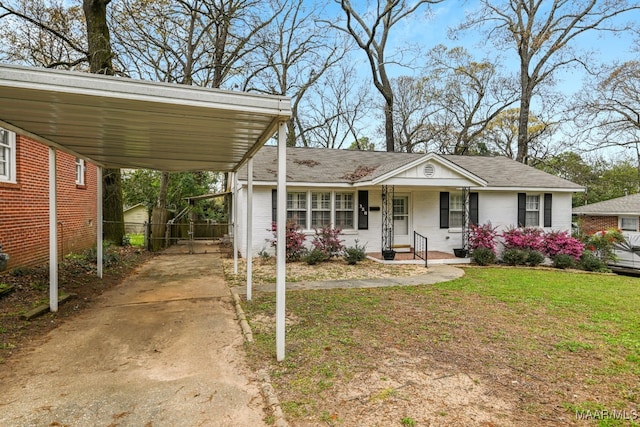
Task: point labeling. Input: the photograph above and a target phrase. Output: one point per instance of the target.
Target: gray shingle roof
(621, 205)
(322, 165)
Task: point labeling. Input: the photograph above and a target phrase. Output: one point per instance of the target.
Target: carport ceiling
(124, 123)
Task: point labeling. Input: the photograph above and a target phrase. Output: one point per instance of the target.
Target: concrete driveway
(161, 349)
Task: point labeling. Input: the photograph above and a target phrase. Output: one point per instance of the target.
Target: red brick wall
(24, 206)
(591, 224)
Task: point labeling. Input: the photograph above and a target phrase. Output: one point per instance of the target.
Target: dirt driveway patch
(162, 348)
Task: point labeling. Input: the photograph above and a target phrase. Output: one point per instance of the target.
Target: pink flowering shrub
(483, 236)
(523, 238)
(327, 240)
(295, 239)
(561, 242)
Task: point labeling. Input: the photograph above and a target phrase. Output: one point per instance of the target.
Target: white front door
(401, 222)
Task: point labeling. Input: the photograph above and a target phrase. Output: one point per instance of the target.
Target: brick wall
(24, 206)
(591, 224)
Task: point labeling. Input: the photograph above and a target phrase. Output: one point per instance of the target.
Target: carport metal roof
(123, 123)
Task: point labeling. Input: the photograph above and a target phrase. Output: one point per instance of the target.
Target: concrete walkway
(161, 349)
(434, 274)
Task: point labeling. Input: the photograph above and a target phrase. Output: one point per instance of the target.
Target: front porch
(433, 258)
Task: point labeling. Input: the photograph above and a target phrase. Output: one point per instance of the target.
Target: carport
(123, 123)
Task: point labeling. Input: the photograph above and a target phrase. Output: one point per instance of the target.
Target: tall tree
(471, 94)
(101, 62)
(609, 110)
(414, 104)
(332, 112)
(371, 30)
(296, 52)
(60, 45)
(543, 34)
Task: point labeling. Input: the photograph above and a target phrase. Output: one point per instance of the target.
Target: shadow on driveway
(160, 349)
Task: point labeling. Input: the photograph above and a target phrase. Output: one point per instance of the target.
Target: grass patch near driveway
(508, 346)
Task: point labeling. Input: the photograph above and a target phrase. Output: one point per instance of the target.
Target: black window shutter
(473, 208)
(522, 209)
(547, 209)
(363, 210)
(274, 205)
(444, 209)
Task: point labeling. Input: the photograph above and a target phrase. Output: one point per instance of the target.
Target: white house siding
(497, 207)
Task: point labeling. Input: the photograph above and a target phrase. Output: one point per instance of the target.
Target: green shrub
(591, 262)
(563, 261)
(534, 258)
(354, 254)
(315, 256)
(514, 256)
(483, 256)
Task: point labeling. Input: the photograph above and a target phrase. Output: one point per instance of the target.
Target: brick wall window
(81, 170)
(7, 156)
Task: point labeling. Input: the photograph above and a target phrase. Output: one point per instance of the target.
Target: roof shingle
(330, 166)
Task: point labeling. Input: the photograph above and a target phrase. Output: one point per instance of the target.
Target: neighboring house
(134, 219)
(622, 212)
(24, 201)
(434, 195)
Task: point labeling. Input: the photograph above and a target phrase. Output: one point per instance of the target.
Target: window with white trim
(320, 209)
(317, 209)
(7, 156)
(532, 215)
(629, 223)
(344, 211)
(80, 171)
(297, 208)
(456, 207)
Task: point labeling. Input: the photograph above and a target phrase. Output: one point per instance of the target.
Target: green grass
(557, 327)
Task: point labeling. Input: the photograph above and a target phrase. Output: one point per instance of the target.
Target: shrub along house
(24, 201)
(393, 201)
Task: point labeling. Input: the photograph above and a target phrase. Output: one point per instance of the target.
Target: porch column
(249, 228)
(281, 238)
(234, 221)
(53, 233)
(99, 219)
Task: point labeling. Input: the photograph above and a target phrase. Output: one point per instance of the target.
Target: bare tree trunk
(100, 56)
(523, 128)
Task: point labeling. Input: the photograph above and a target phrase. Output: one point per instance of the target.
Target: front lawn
(500, 346)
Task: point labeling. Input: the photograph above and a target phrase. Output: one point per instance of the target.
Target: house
(383, 199)
(24, 201)
(622, 212)
(134, 218)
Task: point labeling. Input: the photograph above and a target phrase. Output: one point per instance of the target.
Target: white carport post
(249, 228)
(234, 219)
(99, 225)
(281, 267)
(53, 233)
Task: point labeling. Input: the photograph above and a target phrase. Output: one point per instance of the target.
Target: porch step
(402, 248)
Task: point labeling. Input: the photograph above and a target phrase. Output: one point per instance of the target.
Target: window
(316, 209)
(532, 216)
(320, 210)
(80, 171)
(629, 223)
(456, 206)
(344, 211)
(7, 156)
(297, 208)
